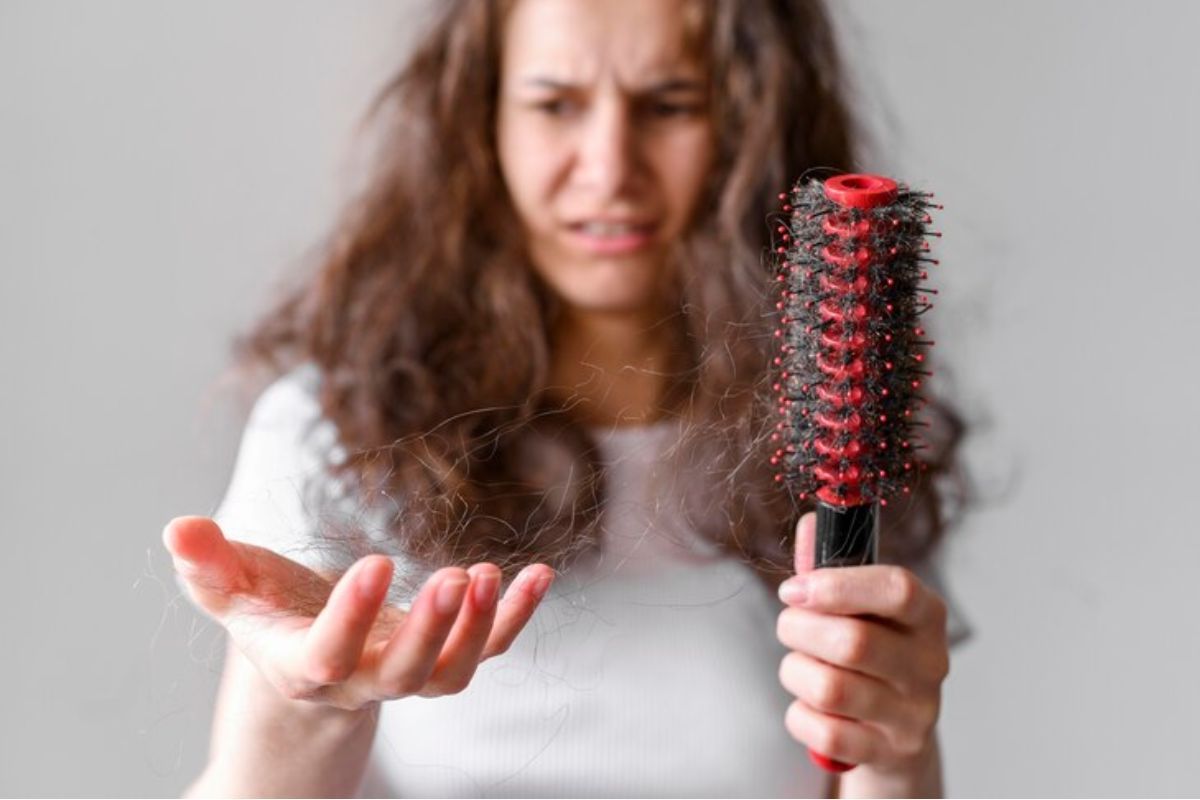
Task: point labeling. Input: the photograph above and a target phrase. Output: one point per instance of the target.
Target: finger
(518, 605)
(862, 645)
(806, 536)
(845, 740)
(841, 692)
(202, 554)
(206, 560)
(885, 591)
(410, 655)
(460, 655)
(333, 645)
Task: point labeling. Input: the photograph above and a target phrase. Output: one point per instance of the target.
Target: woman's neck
(611, 367)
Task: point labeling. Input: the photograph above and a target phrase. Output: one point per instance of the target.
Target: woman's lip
(639, 238)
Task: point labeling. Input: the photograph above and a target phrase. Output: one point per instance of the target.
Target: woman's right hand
(335, 641)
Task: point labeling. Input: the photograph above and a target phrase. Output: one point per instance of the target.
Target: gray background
(163, 165)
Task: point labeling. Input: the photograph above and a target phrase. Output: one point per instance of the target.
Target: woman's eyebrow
(661, 87)
(674, 85)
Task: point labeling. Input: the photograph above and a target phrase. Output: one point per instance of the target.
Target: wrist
(919, 775)
(325, 713)
(298, 749)
(317, 722)
(910, 765)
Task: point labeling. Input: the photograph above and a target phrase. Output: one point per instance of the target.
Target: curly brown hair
(431, 331)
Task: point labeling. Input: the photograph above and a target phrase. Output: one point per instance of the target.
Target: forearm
(265, 745)
(921, 778)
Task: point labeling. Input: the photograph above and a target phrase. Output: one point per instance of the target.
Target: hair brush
(847, 375)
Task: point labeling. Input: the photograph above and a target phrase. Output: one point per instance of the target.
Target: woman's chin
(610, 304)
(608, 285)
(621, 294)
(625, 298)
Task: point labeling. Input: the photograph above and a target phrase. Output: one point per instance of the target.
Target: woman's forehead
(580, 42)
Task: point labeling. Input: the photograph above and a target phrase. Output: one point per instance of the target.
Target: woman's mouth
(609, 237)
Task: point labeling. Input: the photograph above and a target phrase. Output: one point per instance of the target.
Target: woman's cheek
(689, 164)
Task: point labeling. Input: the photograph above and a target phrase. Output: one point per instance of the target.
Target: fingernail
(484, 591)
(371, 581)
(794, 591)
(541, 584)
(450, 594)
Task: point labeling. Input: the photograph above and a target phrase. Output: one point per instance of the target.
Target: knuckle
(787, 669)
(908, 744)
(793, 722)
(826, 737)
(828, 691)
(820, 734)
(941, 666)
(934, 666)
(823, 587)
(905, 589)
(940, 612)
(853, 644)
(784, 625)
(927, 717)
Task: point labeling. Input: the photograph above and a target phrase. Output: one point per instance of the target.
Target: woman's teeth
(611, 228)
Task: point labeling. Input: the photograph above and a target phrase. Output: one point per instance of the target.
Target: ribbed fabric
(650, 670)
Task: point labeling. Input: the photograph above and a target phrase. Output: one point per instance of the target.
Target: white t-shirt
(649, 670)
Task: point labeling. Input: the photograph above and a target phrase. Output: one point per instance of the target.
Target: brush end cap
(828, 764)
(861, 191)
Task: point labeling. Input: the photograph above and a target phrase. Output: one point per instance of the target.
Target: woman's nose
(607, 157)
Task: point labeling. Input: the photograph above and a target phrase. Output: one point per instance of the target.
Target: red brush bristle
(849, 366)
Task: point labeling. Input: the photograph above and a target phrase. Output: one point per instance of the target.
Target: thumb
(806, 535)
(202, 555)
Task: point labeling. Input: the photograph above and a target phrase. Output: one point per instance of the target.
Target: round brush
(852, 253)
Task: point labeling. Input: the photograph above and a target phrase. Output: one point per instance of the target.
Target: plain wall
(163, 165)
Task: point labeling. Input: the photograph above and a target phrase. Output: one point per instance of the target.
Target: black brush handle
(846, 537)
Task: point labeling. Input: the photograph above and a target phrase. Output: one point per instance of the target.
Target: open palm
(333, 640)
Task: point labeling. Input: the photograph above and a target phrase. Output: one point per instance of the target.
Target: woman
(534, 348)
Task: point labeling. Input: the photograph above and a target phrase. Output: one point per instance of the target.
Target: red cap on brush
(850, 366)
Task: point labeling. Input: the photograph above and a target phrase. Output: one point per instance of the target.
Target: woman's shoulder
(291, 400)
(284, 494)
(288, 419)
(280, 486)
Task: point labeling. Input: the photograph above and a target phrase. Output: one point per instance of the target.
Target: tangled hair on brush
(430, 329)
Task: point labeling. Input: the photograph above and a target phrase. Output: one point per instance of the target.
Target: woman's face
(604, 143)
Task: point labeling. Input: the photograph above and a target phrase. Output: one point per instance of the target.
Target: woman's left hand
(868, 657)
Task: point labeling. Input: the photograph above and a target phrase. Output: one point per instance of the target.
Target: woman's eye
(564, 107)
(669, 109)
(556, 107)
